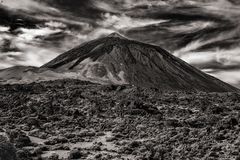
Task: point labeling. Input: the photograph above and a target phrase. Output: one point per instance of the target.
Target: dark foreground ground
(71, 119)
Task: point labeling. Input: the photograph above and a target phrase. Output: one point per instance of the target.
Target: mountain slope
(118, 60)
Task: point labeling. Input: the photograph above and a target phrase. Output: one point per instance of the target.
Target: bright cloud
(229, 76)
(27, 5)
(123, 21)
(192, 26)
(29, 34)
(224, 57)
(55, 24)
(4, 29)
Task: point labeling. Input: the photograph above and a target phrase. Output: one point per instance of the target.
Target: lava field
(72, 119)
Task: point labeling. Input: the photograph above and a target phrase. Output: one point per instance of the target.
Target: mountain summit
(116, 35)
(118, 60)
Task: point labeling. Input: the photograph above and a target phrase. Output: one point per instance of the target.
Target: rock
(47, 125)
(37, 151)
(117, 129)
(235, 153)
(75, 154)
(42, 117)
(25, 128)
(33, 122)
(76, 114)
(3, 138)
(44, 148)
(23, 141)
(158, 156)
(38, 133)
(216, 109)
(233, 121)
(23, 155)
(19, 138)
(110, 139)
(173, 123)
(100, 134)
(70, 135)
(143, 134)
(60, 147)
(238, 158)
(109, 157)
(96, 147)
(7, 151)
(220, 137)
(86, 133)
(213, 154)
(237, 142)
(142, 149)
(98, 156)
(196, 122)
(140, 127)
(216, 148)
(54, 156)
(56, 140)
(126, 150)
(135, 144)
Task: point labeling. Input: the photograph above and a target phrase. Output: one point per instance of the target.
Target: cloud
(117, 22)
(230, 76)
(105, 6)
(198, 58)
(28, 45)
(4, 29)
(26, 58)
(54, 24)
(36, 47)
(28, 35)
(206, 59)
(192, 26)
(133, 3)
(27, 5)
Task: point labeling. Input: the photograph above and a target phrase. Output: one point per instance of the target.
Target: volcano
(118, 60)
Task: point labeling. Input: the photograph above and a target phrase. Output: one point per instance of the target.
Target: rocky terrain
(72, 119)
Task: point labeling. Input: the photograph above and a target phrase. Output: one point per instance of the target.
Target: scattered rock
(37, 151)
(98, 156)
(19, 138)
(54, 156)
(135, 144)
(173, 123)
(110, 139)
(23, 155)
(75, 154)
(7, 151)
(60, 147)
(56, 140)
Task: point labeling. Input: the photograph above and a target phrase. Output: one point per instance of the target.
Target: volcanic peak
(116, 35)
(118, 60)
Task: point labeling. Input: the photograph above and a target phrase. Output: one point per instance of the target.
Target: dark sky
(204, 33)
